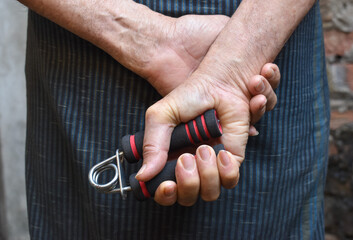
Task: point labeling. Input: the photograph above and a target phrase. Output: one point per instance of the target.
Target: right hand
(200, 92)
(204, 174)
(183, 48)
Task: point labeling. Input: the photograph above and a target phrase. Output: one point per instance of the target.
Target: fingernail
(204, 153)
(188, 162)
(169, 190)
(260, 86)
(253, 131)
(141, 170)
(225, 159)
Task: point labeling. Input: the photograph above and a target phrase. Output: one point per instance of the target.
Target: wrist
(235, 59)
(229, 72)
(124, 29)
(133, 34)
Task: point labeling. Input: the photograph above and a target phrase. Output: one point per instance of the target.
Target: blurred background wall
(13, 26)
(338, 25)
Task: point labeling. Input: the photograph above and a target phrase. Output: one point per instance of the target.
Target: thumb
(184, 103)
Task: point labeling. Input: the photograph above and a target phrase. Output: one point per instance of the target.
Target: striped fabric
(81, 102)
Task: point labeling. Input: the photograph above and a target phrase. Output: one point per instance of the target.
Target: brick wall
(337, 18)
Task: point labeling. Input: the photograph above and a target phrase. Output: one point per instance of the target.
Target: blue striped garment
(81, 102)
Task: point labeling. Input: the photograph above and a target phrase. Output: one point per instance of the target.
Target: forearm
(124, 29)
(255, 35)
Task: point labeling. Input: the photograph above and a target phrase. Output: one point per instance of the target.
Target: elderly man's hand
(251, 38)
(200, 92)
(166, 51)
(205, 173)
(182, 48)
(162, 49)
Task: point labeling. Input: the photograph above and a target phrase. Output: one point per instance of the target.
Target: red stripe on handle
(144, 189)
(133, 147)
(204, 126)
(197, 130)
(189, 134)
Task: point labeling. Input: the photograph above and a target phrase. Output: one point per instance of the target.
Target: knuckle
(258, 78)
(209, 175)
(188, 186)
(211, 190)
(162, 199)
(230, 179)
(152, 113)
(230, 182)
(213, 196)
(271, 104)
(163, 112)
(188, 191)
(150, 149)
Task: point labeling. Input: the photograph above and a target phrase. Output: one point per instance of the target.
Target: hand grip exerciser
(142, 190)
(145, 190)
(203, 128)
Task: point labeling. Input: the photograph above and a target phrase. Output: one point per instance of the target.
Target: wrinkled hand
(167, 51)
(201, 174)
(187, 101)
(183, 48)
(205, 173)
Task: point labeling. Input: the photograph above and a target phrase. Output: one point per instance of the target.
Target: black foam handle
(201, 129)
(145, 190)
